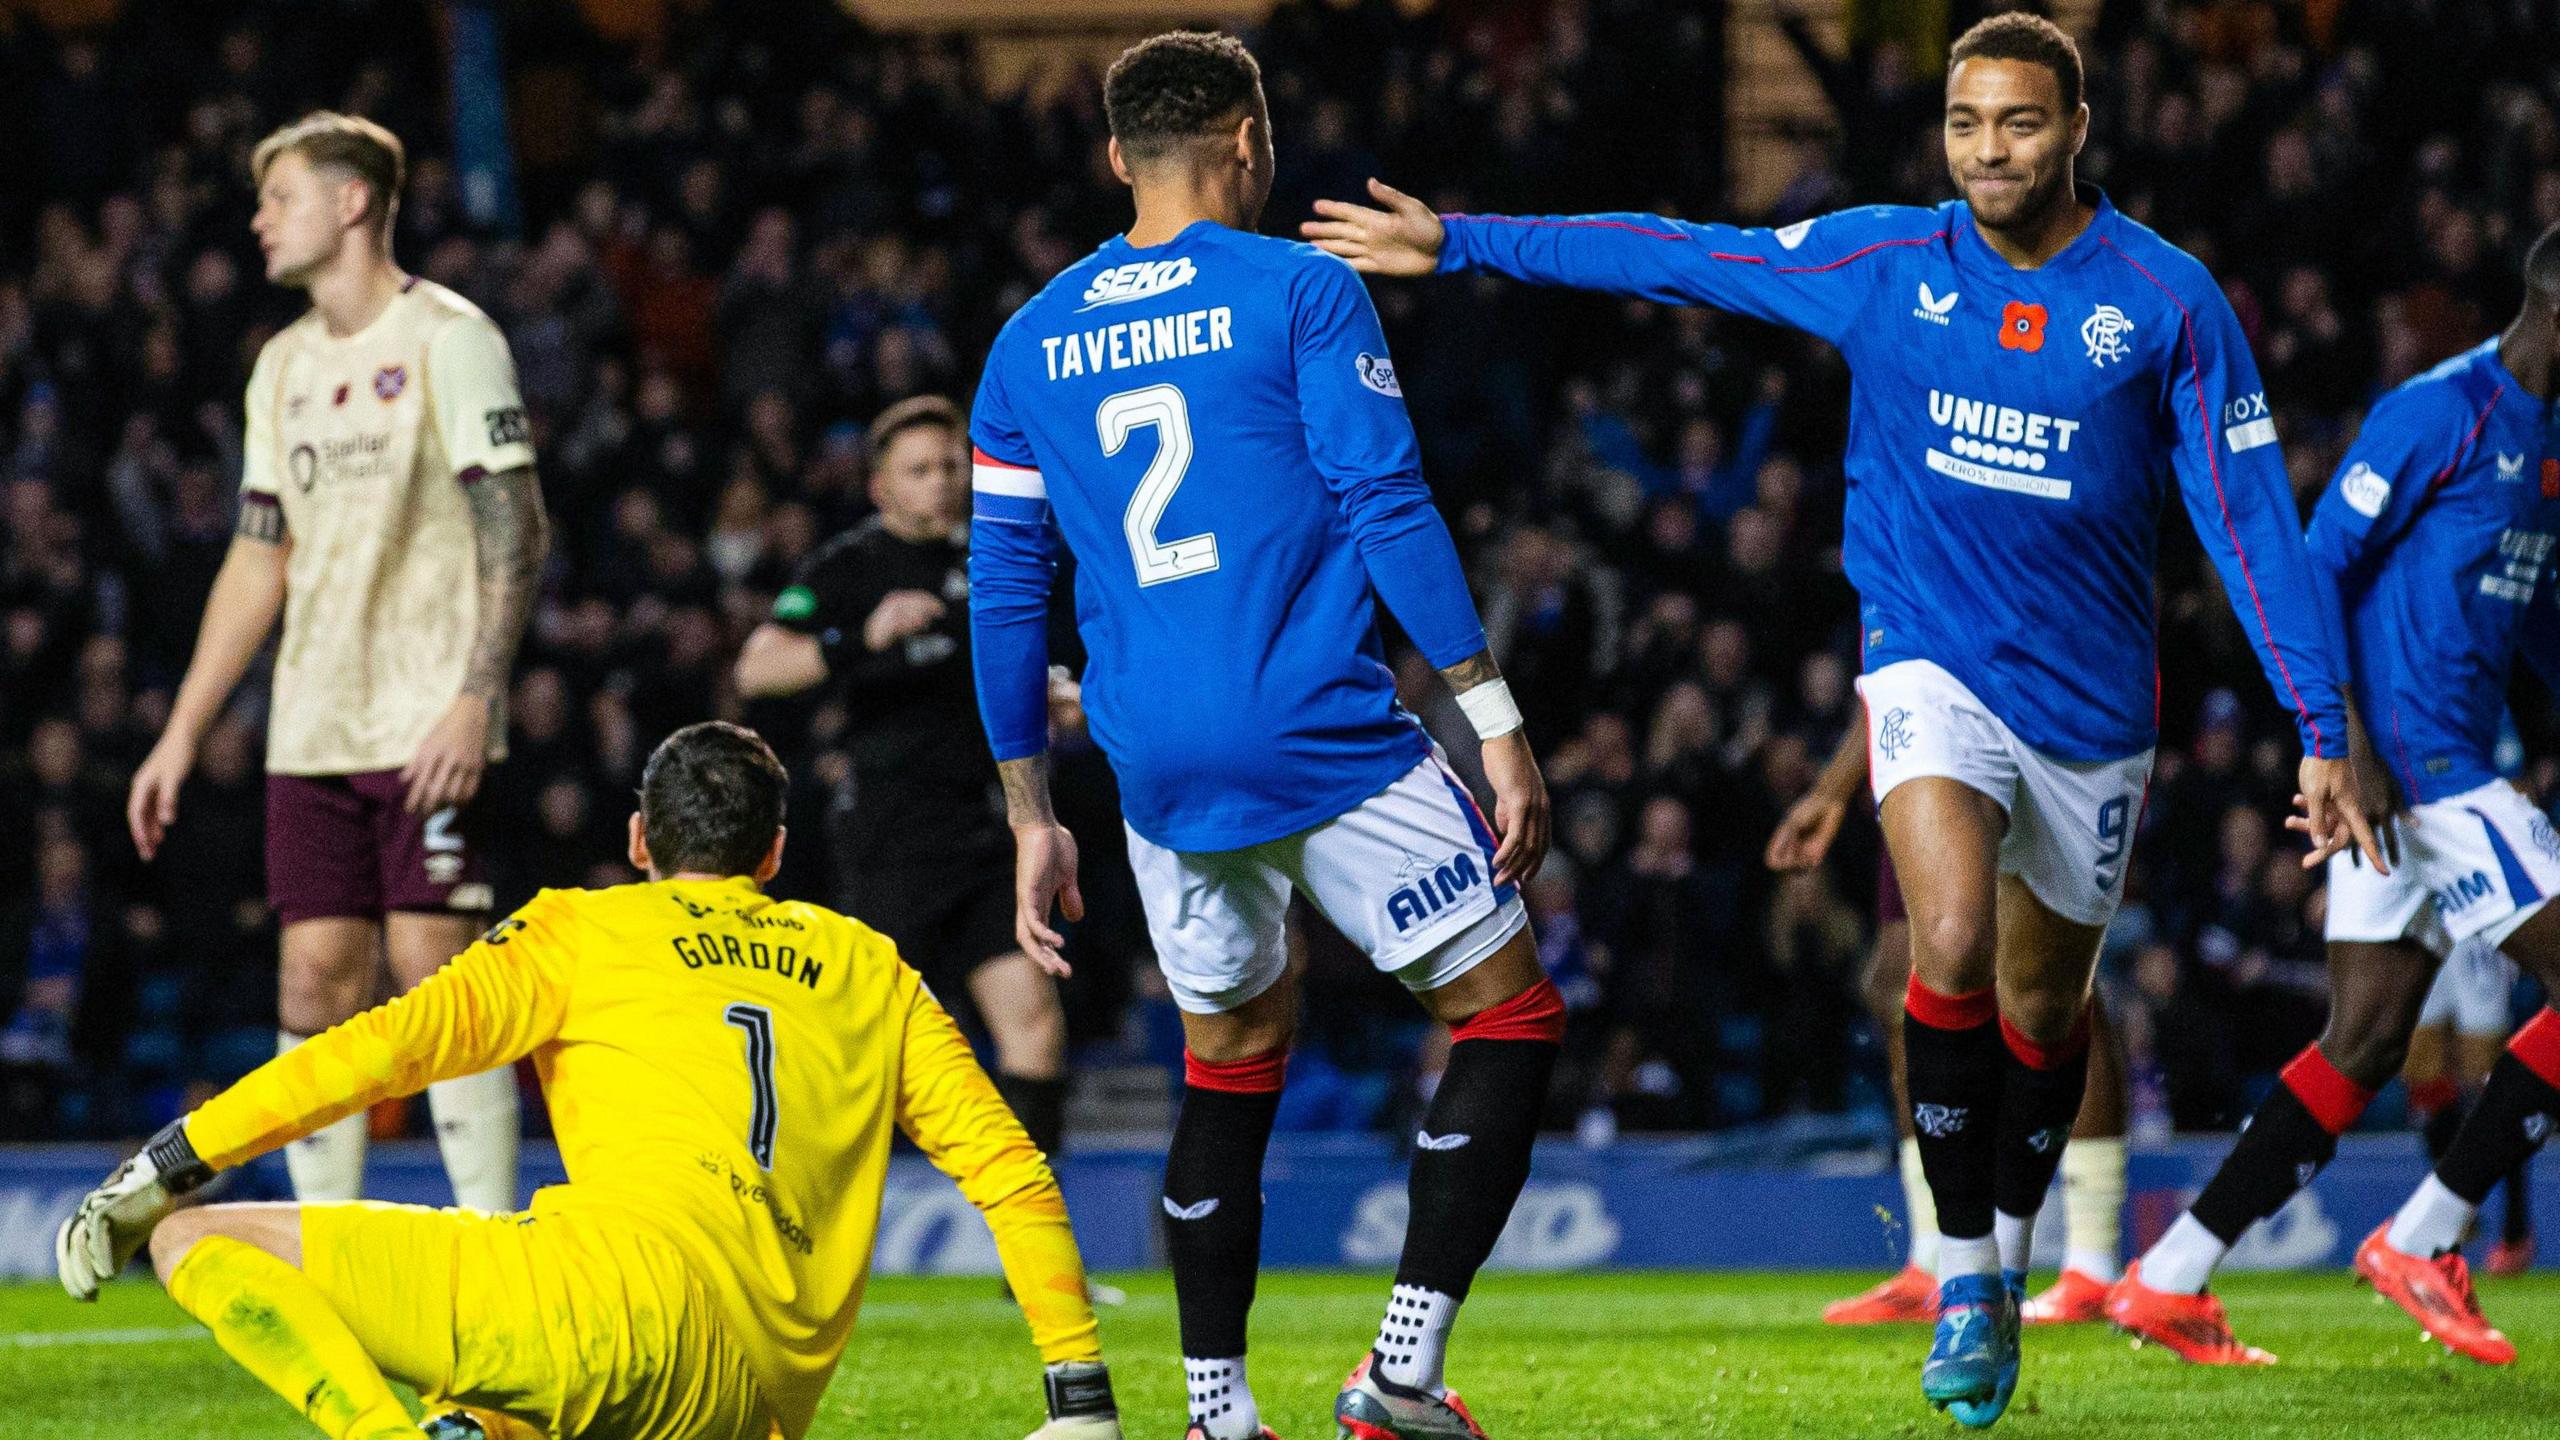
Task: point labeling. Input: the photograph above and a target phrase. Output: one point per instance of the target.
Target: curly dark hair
(1178, 87)
(2018, 35)
(711, 800)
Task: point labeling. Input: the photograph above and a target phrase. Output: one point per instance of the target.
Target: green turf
(1630, 1357)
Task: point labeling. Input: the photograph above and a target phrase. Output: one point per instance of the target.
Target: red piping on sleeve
(2213, 467)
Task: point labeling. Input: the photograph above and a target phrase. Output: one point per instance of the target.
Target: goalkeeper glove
(117, 1218)
(1080, 1405)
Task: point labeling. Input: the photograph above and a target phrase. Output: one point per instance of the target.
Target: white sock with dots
(1413, 1341)
(1221, 1402)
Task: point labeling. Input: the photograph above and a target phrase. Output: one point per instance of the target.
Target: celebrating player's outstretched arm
(1399, 236)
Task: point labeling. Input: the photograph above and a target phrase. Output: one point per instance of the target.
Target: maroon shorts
(1889, 909)
(340, 845)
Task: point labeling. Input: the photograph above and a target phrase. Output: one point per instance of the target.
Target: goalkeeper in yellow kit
(723, 1070)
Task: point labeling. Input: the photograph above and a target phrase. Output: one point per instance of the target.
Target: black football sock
(2443, 1122)
(1041, 1106)
(2040, 1091)
(1952, 1057)
(2293, 1135)
(1213, 1197)
(2518, 1227)
(1470, 1158)
(2510, 1122)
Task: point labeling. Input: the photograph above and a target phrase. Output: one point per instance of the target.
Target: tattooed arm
(1044, 867)
(1520, 809)
(508, 539)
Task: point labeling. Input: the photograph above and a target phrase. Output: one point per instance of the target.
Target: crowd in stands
(736, 248)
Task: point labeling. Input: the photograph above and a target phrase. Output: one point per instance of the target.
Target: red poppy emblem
(2022, 326)
(2551, 479)
(390, 380)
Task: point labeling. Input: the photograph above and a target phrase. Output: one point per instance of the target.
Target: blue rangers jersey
(2437, 533)
(1214, 427)
(2012, 438)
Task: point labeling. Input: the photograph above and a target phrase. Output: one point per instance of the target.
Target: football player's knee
(1032, 1038)
(314, 993)
(173, 1237)
(2365, 1051)
(2045, 1016)
(1953, 939)
(2370, 1020)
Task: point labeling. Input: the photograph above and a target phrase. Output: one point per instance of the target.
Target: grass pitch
(1627, 1356)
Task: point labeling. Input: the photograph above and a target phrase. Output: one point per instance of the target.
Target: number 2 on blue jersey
(1162, 407)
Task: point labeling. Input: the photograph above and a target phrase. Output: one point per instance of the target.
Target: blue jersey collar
(2102, 225)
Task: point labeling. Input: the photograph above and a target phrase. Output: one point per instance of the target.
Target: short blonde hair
(349, 143)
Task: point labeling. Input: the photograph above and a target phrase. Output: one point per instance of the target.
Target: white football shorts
(2478, 863)
(2070, 823)
(2473, 992)
(1406, 875)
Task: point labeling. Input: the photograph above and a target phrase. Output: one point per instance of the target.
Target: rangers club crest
(1895, 735)
(389, 381)
(2103, 332)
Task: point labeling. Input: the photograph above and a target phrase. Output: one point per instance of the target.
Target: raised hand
(1401, 238)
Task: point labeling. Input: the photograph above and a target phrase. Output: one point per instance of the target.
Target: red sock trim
(1253, 1075)
(1949, 1012)
(1536, 1013)
(2333, 1099)
(2432, 1095)
(2046, 1057)
(2538, 1046)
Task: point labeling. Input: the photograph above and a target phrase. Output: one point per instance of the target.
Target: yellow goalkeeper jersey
(722, 1067)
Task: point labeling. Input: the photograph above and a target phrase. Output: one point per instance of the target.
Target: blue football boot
(1973, 1363)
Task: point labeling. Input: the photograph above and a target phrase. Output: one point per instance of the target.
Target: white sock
(1413, 1341)
(2015, 1237)
(2181, 1262)
(2431, 1223)
(2093, 1206)
(1920, 1208)
(1977, 1256)
(1221, 1401)
(477, 1123)
(328, 1163)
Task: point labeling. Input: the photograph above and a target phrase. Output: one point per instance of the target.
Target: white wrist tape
(1490, 709)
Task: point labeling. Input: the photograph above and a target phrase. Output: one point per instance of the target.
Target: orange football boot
(2191, 1327)
(1910, 1297)
(2437, 1294)
(2076, 1298)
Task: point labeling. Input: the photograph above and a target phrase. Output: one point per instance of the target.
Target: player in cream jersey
(389, 513)
(369, 445)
